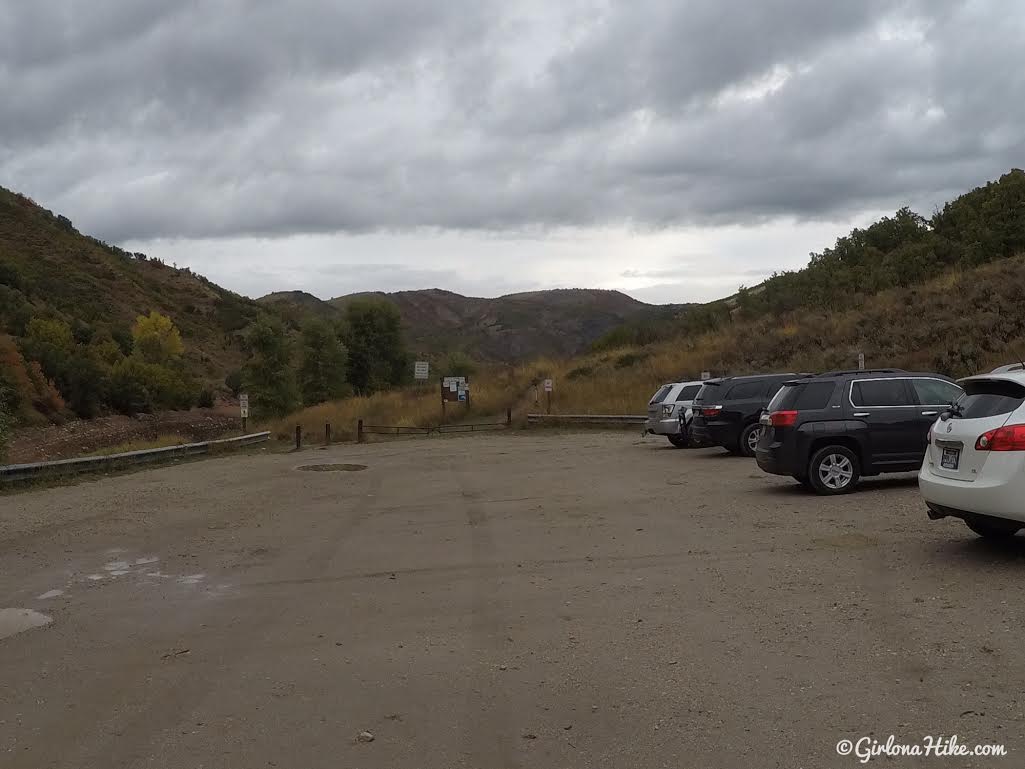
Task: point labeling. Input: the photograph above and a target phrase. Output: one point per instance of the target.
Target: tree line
(56, 369)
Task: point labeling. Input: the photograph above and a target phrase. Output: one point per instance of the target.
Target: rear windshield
(803, 395)
(709, 392)
(989, 398)
(661, 394)
(688, 392)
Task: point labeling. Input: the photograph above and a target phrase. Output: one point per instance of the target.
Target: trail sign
(549, 385)
(706, 375)
(243, 405)
(421, 369)
(861, 361)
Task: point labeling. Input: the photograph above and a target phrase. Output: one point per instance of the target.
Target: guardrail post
(327, 434)
(298, 437)
(508, 417)
(359, 431)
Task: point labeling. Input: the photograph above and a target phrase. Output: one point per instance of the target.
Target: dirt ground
(498, 601)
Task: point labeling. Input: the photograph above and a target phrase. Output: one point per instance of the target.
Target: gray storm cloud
(144, 119)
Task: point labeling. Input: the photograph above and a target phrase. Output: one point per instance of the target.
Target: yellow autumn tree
(157, 340)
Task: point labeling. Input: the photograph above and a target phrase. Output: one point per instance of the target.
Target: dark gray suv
(829, 430)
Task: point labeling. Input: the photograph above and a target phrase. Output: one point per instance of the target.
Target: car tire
(994, 529)
(834, 470)
(680, 440)
(749, 439)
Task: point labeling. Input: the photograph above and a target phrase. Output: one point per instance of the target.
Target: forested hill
(901, 251)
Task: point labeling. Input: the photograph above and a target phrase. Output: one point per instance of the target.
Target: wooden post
(508, 417)
(441, 386)
(298, 437)
(359, 431)
(549, 394)
(327, 434)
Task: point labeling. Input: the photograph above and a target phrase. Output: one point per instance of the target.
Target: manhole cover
(333, 468)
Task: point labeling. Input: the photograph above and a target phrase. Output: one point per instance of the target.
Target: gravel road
(497, 601)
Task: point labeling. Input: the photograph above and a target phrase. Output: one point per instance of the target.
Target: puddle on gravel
(332, 468)
(14, 621)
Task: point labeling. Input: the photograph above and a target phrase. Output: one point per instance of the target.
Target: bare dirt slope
(81, 437)
(577, 600)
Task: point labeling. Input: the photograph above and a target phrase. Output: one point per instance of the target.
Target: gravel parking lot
(506, 600)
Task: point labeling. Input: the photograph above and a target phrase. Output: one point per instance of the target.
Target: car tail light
(1006, 438)
(711, 411)
(783, 418)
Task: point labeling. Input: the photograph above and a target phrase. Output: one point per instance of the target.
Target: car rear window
(989, 398)
(879, 392)
(746, 390)
(803, 395)
(688, 392)
(709, 392)
(661, 394)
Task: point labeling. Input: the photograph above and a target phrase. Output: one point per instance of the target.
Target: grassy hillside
(48, 269)
(68, 308)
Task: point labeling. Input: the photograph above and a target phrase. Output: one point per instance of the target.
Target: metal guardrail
(588, 419)
(362, 430)
(33, 470)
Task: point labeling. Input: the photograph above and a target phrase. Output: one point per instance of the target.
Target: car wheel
(994, 528)
(749, 439)
(679, 440)
(834, 470)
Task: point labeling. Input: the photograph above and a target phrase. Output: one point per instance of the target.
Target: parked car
(727, 411)
(669, 412)
(974, 468)
(830, 430)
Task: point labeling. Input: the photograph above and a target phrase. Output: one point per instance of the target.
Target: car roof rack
(865, 371)
(1008, 367)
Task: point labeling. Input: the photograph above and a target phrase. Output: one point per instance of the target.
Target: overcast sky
(673, 149)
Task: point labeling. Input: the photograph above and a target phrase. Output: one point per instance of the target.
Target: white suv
(669, 412)
(974, 468)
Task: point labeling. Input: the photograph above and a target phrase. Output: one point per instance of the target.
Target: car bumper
(669, 426)
(711, 435)
(771, 462)
(999, 492)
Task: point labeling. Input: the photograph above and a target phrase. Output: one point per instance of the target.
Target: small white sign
(706, 375)
(549, 385)
(243, 405)
(421, 369)
(861, 361)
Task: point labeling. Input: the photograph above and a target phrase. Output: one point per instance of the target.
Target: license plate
(950, 459)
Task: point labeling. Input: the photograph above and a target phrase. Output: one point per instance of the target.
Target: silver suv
(669, 412)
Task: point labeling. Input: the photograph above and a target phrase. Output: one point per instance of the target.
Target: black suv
(726, 411)
(830, 430)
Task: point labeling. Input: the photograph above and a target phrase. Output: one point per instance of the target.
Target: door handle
(929, 413)
(860, 414)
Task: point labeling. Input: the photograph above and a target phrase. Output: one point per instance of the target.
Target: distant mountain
(516, 327)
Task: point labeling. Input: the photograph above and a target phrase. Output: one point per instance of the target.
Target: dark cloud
(143, 119)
